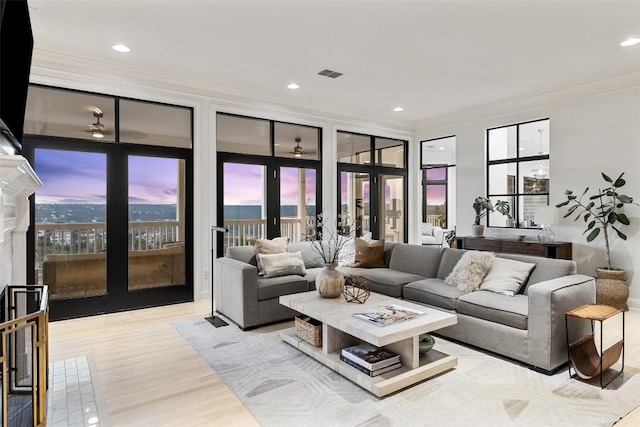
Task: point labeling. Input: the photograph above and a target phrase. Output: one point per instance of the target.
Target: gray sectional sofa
(528, 327)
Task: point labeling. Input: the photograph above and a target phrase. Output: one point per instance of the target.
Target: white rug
(281, 386)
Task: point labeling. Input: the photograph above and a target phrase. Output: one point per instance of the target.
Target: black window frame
(425, 182)
(516, 195)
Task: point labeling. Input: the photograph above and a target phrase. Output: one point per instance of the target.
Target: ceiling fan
(297, 150)
(97, 129)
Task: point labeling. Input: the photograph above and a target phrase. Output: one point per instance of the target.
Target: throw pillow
(369, 255)
(277, 245)
(507, 276)
(283, 264)
(427, 229)
(470, 270)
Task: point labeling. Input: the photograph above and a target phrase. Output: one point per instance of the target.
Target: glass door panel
(70, 223)
(156, 230)
(391, 208)
(355, 202)
(297, 203)
(244, 203)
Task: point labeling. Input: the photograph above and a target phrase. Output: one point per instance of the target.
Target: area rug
(281, 386)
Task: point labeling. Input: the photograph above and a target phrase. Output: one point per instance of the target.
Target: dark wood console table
(556, 250)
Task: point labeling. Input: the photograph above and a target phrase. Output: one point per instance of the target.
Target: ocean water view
(60, 213)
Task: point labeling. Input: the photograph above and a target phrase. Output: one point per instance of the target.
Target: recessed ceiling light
(398, 109)
(630, 42)
(293, 86)
(120, 48)
(442, 148)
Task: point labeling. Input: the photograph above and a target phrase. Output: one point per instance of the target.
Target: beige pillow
(468, 273)
(284, 264)
(277, 245)
(369, 255)
(506, 276)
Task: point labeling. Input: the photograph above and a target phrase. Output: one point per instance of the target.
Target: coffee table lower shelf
(431, 364)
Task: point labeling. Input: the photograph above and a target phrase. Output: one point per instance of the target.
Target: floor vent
(330, 73)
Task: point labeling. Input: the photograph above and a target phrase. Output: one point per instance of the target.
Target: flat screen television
(16, 49)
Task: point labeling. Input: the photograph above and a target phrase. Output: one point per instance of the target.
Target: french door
(373, 202)
(111, 226)
(266, 198)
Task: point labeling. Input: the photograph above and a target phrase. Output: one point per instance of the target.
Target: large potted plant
(603, 215)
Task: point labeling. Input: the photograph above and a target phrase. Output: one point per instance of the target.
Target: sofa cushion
(369, 255)
(284, 264)
(276, 245)
(309, 255)
(387, 281)
(273, 287)
(245, 254)
(545, 269)
(415, 259)
(469, 272)
(434, 292)
(510, 311)
(506, 276)
(311, 275)
(450, 258)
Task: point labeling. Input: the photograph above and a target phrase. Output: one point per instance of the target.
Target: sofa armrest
(438, 233)
(235, 290)
(548, 303)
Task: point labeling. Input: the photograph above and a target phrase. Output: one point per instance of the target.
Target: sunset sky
(76, 177)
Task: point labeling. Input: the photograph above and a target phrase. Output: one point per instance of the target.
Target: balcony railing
(241, 231)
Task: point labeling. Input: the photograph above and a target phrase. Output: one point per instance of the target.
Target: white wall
(588, 135)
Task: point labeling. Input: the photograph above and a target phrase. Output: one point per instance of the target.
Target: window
(438, 180)
(269, 179)
(518, 171)
(372, 196)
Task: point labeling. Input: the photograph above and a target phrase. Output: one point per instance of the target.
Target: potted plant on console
(482, 206)
(602, 214)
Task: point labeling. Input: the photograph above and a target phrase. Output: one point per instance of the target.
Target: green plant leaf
(571, 197)
(612, 217)
(625, 199)
(590, 226)
(606, 178)
(587, 216)
(611, 193)
(594, 197)
(594, 233)
(572, 209)
(619, 205)
(590, 205)
(620, 234)
(619, 182)
(565, 203)
(623, 218)
(585, 191)
(567, 192)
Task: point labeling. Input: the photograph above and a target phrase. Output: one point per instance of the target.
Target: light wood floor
(148, 375)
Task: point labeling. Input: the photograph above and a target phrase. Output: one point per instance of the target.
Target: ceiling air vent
(330, 73)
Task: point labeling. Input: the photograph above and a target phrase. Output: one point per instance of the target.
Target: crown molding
(64, 70)
(524, 103)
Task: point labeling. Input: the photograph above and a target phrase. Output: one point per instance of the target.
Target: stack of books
(370, 359)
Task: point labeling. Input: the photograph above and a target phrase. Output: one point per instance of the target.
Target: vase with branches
(333, 243)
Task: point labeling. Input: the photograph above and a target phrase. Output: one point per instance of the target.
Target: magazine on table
(369, 372)
(370, 356)
(388, 314)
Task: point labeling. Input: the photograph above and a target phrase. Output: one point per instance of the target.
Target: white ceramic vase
(330, 282)
(477, 230)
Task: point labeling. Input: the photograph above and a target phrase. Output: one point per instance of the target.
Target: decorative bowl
(425, 343)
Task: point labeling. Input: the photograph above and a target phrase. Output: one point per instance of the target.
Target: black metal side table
(587, 363)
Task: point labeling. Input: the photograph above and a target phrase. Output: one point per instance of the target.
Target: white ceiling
(431, 57)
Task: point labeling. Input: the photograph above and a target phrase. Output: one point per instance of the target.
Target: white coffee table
(340, 329)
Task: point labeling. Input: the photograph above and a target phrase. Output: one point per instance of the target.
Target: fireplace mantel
(17, 182)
